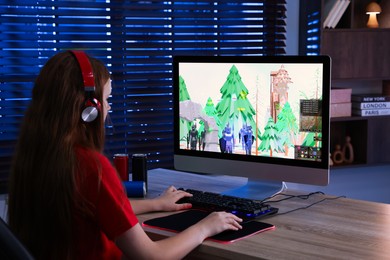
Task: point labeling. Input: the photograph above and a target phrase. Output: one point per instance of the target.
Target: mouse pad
(180, 221)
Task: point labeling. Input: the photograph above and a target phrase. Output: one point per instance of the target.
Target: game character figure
(228, 137)
(193, 137)
(202, 142)
(222, 144)
(241, 135)
(249, 139)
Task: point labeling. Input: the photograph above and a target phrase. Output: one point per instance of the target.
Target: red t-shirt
(112, 213)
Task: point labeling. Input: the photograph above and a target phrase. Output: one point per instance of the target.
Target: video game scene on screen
(252, 109)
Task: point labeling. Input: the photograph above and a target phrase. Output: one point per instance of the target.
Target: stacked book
(334, 10)
(370, 105)
(340, 102)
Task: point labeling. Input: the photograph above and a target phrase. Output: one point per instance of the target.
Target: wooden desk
(337, 229)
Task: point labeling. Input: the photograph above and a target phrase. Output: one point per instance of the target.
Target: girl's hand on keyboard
(167, 200)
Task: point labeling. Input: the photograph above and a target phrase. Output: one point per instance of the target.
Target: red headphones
(92, 105)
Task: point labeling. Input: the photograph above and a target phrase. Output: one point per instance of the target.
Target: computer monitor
(261, 117)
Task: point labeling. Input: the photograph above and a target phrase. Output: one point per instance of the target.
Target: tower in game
(278, 90)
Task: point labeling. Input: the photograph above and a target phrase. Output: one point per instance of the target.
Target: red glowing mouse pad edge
(179, 221)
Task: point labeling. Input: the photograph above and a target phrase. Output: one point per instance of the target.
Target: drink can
(121, 162)
(139, 168)
(135, 189)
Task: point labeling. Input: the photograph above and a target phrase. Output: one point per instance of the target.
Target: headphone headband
(92, 105)
(86, 70)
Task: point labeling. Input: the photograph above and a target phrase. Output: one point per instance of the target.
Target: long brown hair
(42, 191)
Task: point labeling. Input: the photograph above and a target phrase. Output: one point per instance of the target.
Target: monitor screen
(261, 117)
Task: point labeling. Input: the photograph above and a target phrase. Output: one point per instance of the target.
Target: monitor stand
(256, 189)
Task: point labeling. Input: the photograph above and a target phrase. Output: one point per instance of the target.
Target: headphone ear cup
(91, 110)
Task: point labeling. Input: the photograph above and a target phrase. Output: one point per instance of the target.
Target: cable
(308, 206)
(268, 199)
(303, 197)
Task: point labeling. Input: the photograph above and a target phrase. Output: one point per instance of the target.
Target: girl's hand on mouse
(218, 222)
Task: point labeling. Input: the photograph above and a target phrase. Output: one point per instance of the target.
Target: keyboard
(246, 209)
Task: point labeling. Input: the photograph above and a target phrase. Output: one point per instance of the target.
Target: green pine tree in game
(270, 141)
(287, 127)
(185, 126)
(210, 110)
(310, 140)
(234, 105)
(183, 92)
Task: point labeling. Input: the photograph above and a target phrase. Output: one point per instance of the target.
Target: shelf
(369, 137)
(346, 118)
(358, 53)
(358, 118)
(360, 60)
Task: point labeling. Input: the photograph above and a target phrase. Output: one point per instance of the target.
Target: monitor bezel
(199, 159)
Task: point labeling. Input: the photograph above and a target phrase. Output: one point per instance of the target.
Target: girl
(66, 200)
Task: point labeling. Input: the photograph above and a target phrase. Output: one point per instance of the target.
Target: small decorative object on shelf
(330, 159)
(348, 150)
(344, 154)
(338, 157)
(373, 9)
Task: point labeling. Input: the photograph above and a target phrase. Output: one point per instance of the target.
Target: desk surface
(338, 229)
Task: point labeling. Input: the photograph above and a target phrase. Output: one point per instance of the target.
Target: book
(340, 95)
(369, 98)
(331, 7)
(371, 112)
(339, 13)
(340, 109)
(371, 105)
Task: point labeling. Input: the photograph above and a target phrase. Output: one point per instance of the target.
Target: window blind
(310, 24)
(136, 40)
